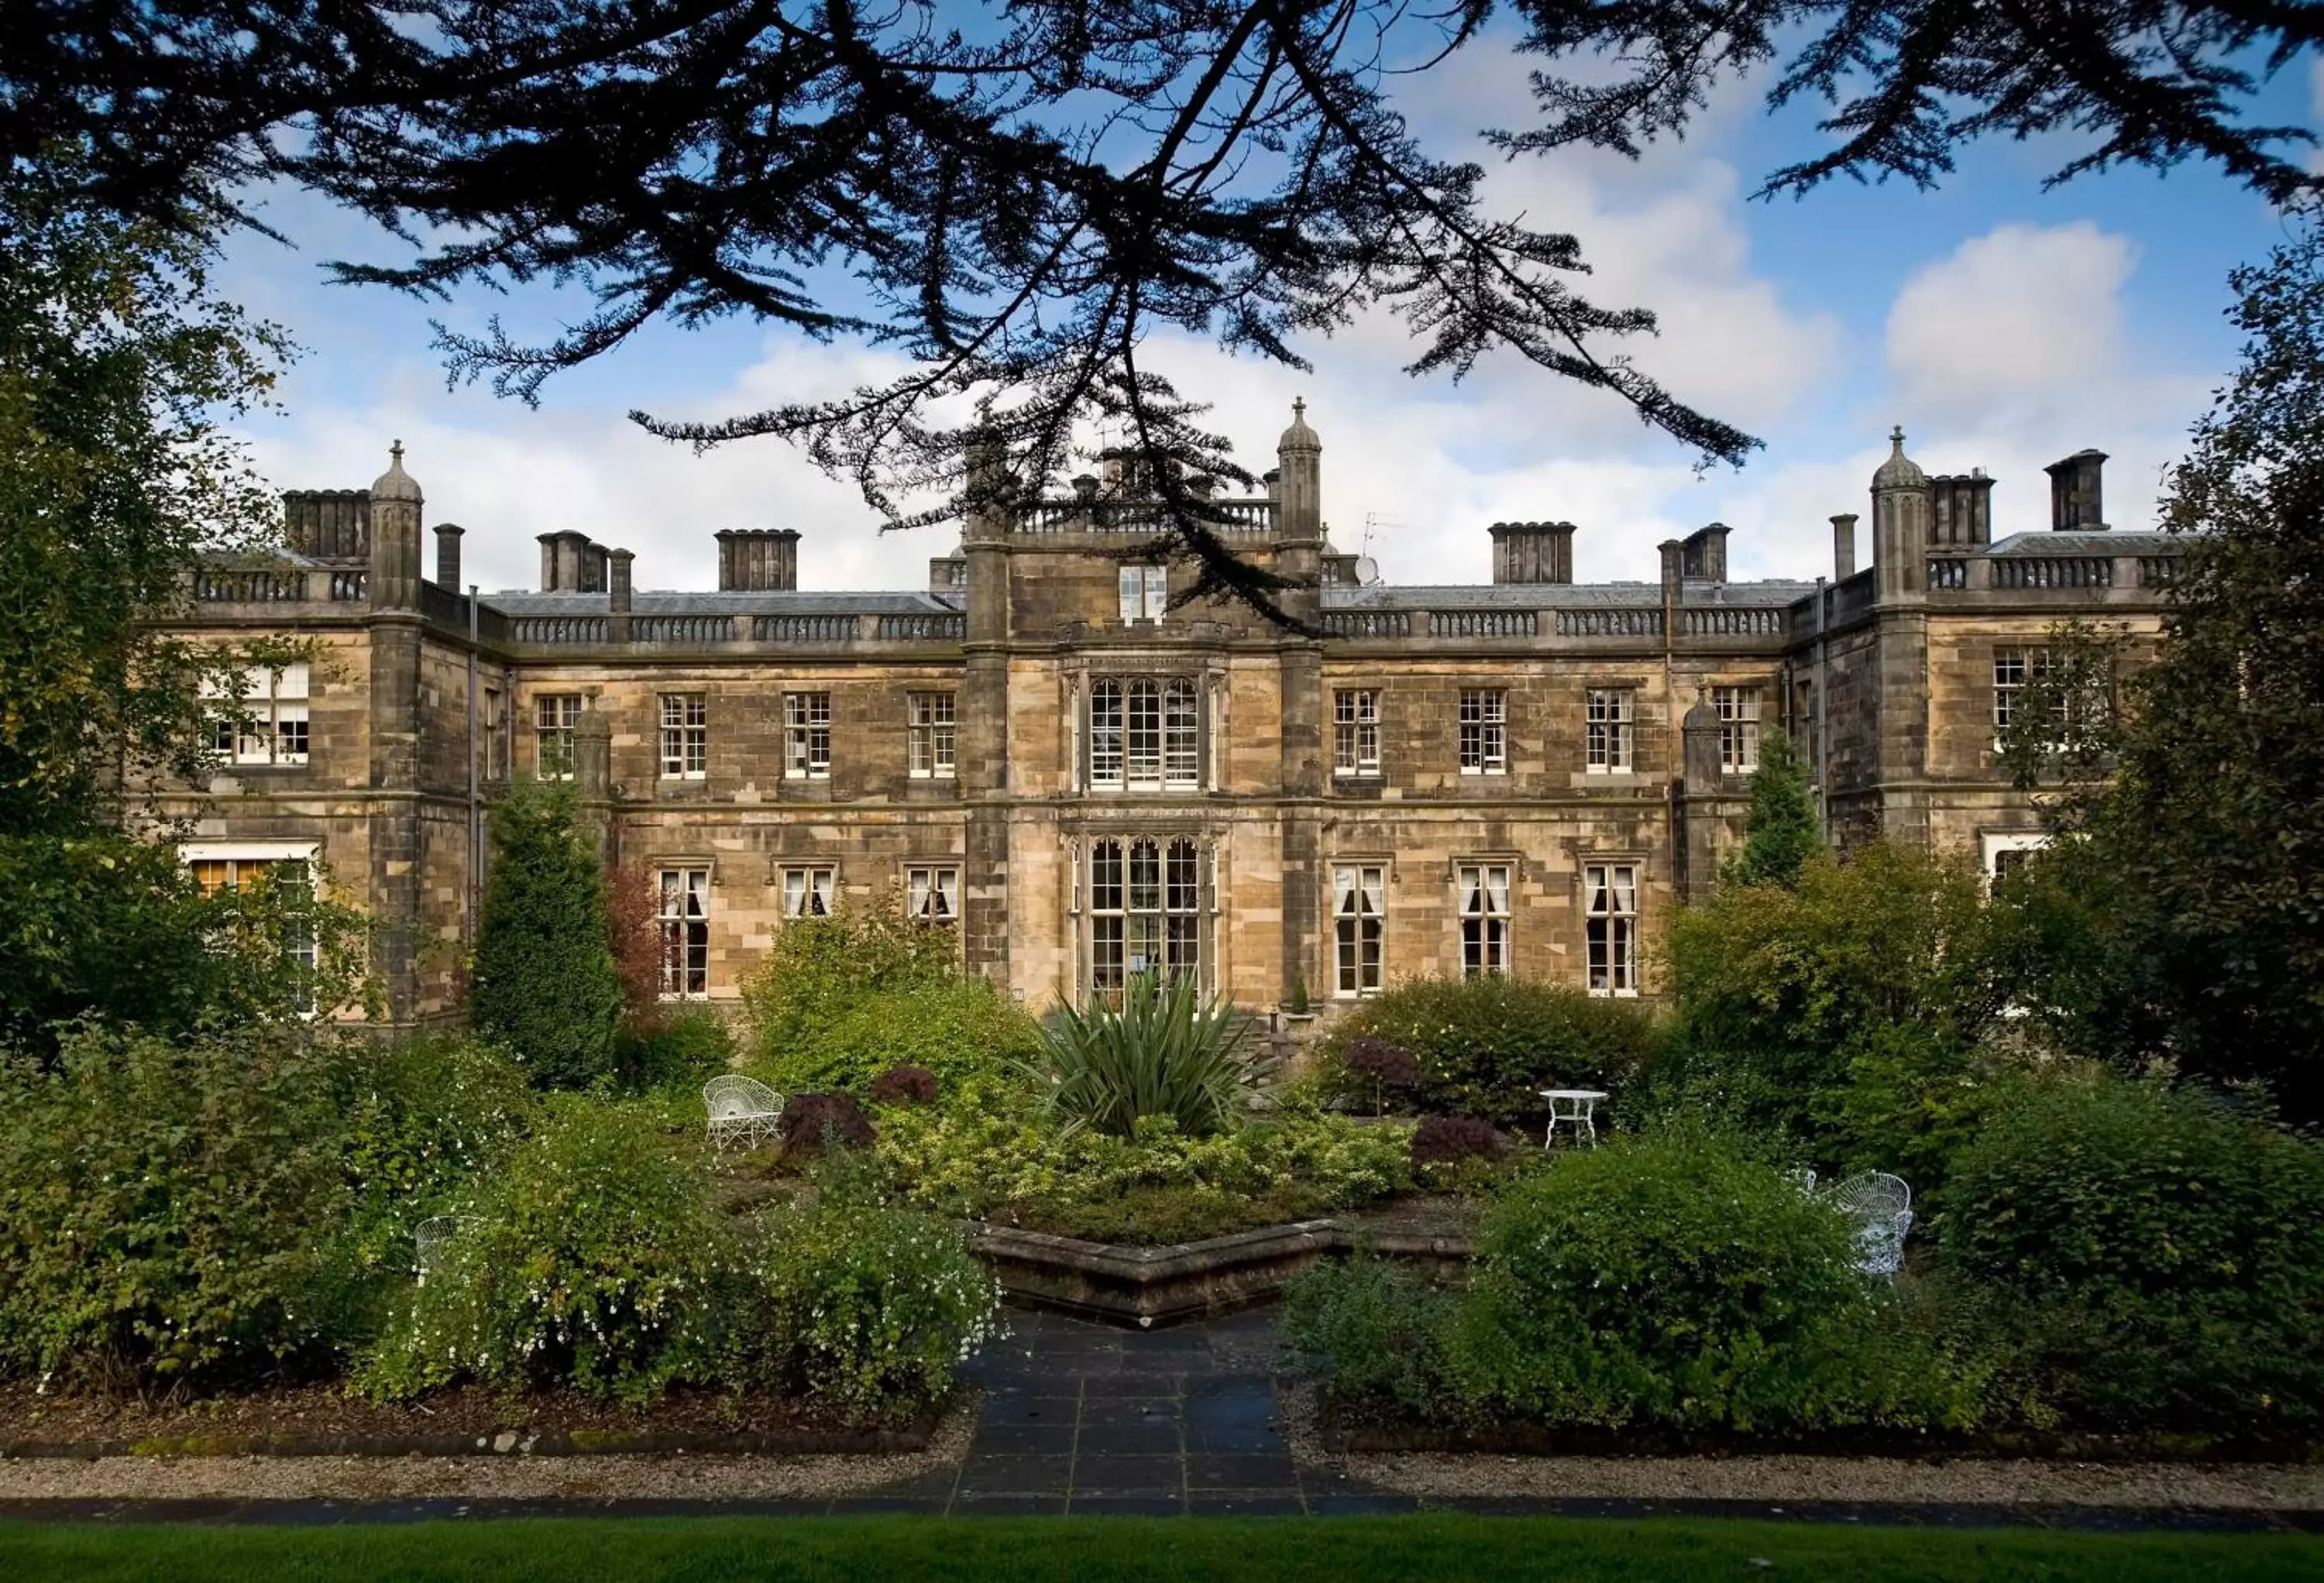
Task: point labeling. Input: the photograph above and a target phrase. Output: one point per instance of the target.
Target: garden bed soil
(322, 1420)
(1371, 1429)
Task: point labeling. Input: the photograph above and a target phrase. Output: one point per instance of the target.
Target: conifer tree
(546, 984)
(1781, 831)
(1017, 201)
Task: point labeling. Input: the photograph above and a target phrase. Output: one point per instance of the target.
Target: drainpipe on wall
(475, 803)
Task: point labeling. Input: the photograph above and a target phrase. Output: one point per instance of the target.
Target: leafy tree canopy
(118, 366)
(2184, 902)
(1016, 198)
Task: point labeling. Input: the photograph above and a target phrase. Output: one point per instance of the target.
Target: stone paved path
(1081, 1417)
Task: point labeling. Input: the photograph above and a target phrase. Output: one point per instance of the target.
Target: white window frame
(2014, 664)
(1610, 927)
(932, 894)
(495, 722)
(2001, 850)
(1484, 719)
(683, 915)
(267, 722)
(810, 890)
(1355, 732)
(1145, 906)
(1144, 592)
(806, 736)
(685, 736)
(556, 716)
(1482, 894)
(1609, 715)
(1145, 733)
(932, 732)
(1359, 929)
(1738, 707)
(266, 854)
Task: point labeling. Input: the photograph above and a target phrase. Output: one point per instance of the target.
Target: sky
(2002, 324)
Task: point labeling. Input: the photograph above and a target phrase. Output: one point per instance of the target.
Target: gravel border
(638, 1476)
(2187, 1486)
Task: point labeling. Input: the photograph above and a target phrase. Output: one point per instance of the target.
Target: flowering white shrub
(587, 1259)
(860, 1306)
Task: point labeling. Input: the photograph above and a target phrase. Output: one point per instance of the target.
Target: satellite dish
(1366, 571)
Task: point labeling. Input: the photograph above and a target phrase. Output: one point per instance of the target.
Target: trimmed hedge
(1486, 1046)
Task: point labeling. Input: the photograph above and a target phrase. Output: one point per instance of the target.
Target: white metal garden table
(1574, 1107)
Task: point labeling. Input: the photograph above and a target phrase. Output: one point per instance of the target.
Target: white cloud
(2021, 317)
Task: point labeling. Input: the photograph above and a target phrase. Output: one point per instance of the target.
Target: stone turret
(393, 644)
(1900, 524)
(1299, 454)
(395, 505)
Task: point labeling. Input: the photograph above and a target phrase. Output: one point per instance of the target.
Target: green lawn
(1123, 1550)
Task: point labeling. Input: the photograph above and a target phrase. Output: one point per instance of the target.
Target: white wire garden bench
(1881, 1207)
(742, 1110)
(432, 1239)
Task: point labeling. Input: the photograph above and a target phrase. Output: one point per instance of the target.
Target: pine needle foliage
(545, 984)
(1165, 1052)
(1016, 203)
(1781, 831)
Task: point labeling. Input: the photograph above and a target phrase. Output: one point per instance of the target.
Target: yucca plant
(1164, 1052)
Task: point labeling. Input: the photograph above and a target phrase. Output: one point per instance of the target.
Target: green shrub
(986, 1153)
(959, 1029)
(1163, 1053)
(1375, 1333)
(1845, 1013)
(170, 1211)
(1671, 1282)
(421, 1116)
(679, 1051)
(1488, 1045)
(864, 1307)
(545, 981)
(588, 1262)
(820, 970)
(2152, 1258)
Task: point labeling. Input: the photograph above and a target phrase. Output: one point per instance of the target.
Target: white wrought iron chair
(432, 1239)
(742, 1110)
(1881, 1206)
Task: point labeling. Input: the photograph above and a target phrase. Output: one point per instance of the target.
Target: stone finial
(395, 484)
(1899, 471)
(1298, 436)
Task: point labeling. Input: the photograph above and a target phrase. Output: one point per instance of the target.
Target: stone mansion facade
(1040, 753)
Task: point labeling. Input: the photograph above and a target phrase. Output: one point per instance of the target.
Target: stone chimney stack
(571, 564)
(1843, 547)
(1674, 585)
(2077, 499)
(758, 560)
(330, 524)
(447, 556)
(1961, 512)
(1703, 557)
(618, 586)
(1533, 552)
